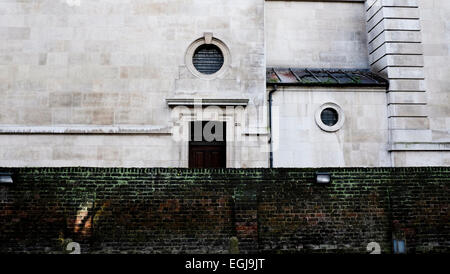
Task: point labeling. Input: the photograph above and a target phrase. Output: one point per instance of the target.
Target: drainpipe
(275, 88)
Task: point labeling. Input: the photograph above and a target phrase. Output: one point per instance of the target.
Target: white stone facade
(361, 141)
(106, 82)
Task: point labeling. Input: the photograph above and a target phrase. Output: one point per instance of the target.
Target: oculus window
(208, 59)
(330, 117)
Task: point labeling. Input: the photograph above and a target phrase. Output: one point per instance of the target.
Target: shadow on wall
(224, 210)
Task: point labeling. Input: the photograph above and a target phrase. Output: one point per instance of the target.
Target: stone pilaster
(395, 52)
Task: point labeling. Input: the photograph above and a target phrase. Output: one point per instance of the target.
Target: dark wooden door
(204, 152)
(204, 156)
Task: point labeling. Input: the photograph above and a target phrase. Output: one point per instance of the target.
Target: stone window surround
(207, 39)
(341, 117)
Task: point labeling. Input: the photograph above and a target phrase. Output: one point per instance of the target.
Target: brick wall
(130, 210)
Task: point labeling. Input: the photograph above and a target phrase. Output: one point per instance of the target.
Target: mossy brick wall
(131, 210)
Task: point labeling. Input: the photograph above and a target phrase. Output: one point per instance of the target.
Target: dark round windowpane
(208, 59)
(329, 117)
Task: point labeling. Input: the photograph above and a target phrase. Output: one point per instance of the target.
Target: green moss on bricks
(187, 211)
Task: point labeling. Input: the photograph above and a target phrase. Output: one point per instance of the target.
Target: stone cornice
(206, 102)
(84, 129)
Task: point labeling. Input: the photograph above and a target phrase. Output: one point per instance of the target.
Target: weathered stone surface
(114, 63)
(302, 143)
(404, 38)
(300, 34)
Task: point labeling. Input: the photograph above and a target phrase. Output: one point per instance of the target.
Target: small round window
(330, 117)
(208, 59)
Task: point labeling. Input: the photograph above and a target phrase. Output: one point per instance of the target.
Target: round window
(329, 117)
(208, 59)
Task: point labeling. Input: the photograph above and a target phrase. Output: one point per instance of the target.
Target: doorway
(207, 145)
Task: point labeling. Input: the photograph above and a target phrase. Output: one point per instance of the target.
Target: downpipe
(275, 88)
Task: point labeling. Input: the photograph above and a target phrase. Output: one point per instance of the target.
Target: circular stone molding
(340, 117)
(207, 39)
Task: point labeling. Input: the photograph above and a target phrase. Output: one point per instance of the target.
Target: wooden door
(207, 154)
(204, 156)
